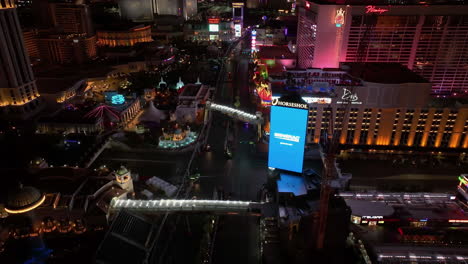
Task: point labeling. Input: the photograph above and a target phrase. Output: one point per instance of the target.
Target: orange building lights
(29, 208)
(443, 127)
(128, 37)
(7, 4)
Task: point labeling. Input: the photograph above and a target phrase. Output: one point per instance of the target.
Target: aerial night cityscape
(234, 131)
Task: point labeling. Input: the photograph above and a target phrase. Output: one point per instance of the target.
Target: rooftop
(119, 27)
(291, 184)
(190, 90)
(430, 206)
(377, 72)
(70, 116)
(54, 85)
(371, 208)
(23, 197)
(275, 52)
(127, 240)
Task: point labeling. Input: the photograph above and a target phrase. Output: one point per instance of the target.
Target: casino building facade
(19, 97)
(390, 106)
(428, 39)
(124, 37)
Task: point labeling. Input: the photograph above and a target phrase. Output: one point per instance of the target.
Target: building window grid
(440, 56)
(395, 124)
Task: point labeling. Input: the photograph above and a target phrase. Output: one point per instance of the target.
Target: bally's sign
(349, 97)
(277, 102)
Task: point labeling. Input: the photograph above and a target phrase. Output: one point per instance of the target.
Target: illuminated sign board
(339, 17)
(277, 102)
(317, 100)
(313, 100)
(213, 20)
(254, 41)
(237, 30)
(213, 27)
(458, 221)
(288, 127)
(349, 97)
(237, 5)
(374, 9)
(372, 217)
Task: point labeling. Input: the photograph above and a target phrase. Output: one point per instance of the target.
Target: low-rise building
(192, 100)
(73, 200)
(387, 107)
(69, 121)
(124, 36)
(55, 90)
(409, 227)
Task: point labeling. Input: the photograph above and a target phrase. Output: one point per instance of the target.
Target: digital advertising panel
(213, 27)
(237, 30)
(287, 138)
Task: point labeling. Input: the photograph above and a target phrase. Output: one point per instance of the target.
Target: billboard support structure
(237, 18)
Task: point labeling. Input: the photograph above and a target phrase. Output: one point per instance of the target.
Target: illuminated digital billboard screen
(237, 30)
(287, 138)
(213, 27)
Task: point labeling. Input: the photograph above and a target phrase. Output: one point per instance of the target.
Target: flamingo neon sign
(374, 9)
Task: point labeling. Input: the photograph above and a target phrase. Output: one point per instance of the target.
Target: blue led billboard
(287, 138)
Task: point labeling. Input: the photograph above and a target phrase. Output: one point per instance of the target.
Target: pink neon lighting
(103, 111)
(170, 58)
(373, 9)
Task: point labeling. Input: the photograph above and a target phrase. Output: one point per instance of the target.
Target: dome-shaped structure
(121, 171)
(152, 114)
(23, 199)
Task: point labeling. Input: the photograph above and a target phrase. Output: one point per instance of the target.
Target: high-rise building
(30, 42)
(42, 14)
(143, 10)
(136, 10)
(185, 8)
(428, 39)
(306, 36)
(18, 91)
(190, 8)
(72, 18)
(67, 48)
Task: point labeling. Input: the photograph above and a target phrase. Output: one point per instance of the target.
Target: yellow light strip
(32, 207)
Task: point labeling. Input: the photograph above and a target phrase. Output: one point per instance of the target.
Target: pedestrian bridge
(163, 206)
(236, 113)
